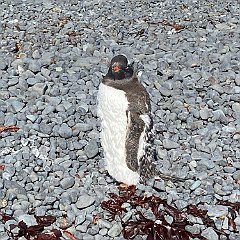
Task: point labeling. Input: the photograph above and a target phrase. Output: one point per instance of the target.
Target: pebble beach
(53, 55)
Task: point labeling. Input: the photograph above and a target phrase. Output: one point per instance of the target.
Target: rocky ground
(52, 58)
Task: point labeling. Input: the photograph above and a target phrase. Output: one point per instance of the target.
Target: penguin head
(119, 68)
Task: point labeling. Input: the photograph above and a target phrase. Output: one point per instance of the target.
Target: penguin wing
(139, 124)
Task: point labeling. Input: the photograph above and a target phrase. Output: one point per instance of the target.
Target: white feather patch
(142, 140)
(112, 108)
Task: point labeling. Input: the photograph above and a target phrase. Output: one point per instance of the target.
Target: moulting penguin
(124, 109)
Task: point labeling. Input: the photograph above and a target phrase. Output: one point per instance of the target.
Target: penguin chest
(112, 110)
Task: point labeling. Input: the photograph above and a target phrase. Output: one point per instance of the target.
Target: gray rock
(36, 54)
(115, 230)
(67, 182)
(195, 185)
(45, 128)
(82, 127)
(14, 187)
(165, 92)
(91, 149)
(204, 113)
(3, 65)
(34, 66)
(65, 131)
(127, 216)
(83, 108)
(48, 109)
(3, 105)
(10, 119)
(229, 169)
(80, 218)
(195, 229)
(169, 144)
(196, 155)
(160, 185)
(236, 175)
(102, 223)
(86, 62)
(30, 220)
(17, 105)
(32, 81)
(236, 107)
(39, 88)
(31, 117)
(217, 211)
(218, 88)
(210, 234)
(181, 204)
(13, 81)
(85, 201)
(54, 101)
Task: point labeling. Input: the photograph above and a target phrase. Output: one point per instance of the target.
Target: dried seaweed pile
(160, 229)
(35, 232)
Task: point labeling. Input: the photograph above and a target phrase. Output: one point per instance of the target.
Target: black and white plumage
(124, 109)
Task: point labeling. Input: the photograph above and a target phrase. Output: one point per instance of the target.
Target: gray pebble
(31, 117)
(91, 149)
(217, 211)
(210, 234)
(30, 220)
(169, 144)
(236, 107)
(17, 105)
(67, 182)
(82, 127)
(115, 230)
(204, 113)
(35, 66)
(160, 185)
(10, 119)
(39, 88)
(65, 131)
(104, 223)
(195, 185)
(85, 201)
(80, 218)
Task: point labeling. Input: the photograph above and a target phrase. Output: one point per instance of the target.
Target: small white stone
(58, 69)
(193, 164)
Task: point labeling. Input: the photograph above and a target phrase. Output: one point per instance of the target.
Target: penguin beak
(116, 68)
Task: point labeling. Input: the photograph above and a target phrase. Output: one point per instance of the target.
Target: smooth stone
(31, 117)
(236, 107)
(82, 127)
(14, 187)
(159, 185)
(204, 113)
(104, 223)
(30, 220)
(169, 144)
(210, 234)
(65, 131)
(34, 66)
(195, 185)
(85, 201)
(67, 183)
(115, 230)
(32, 81)
(217, 211)
(91, 149)
(17, 105)
(80, 218)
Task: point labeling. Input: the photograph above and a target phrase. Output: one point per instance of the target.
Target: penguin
(125, 112)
